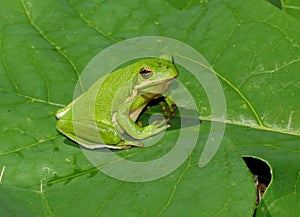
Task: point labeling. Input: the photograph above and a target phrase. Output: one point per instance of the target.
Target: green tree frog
(110, 108)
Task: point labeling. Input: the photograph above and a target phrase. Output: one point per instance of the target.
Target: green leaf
(277, 3)
(252, 47)
(291, 7)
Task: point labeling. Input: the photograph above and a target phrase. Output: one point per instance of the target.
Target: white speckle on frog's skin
(1, 174)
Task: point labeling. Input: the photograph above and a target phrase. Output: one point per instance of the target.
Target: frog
(109, 109)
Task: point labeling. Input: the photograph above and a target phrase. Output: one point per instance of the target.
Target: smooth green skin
(111, 106)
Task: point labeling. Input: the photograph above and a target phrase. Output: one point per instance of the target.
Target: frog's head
(155, 75)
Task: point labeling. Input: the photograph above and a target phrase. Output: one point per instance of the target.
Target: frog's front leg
(171, 104)
(131, 128)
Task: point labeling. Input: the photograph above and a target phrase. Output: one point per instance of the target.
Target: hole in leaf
(262, 174)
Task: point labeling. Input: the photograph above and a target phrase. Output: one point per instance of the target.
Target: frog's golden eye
(146, 73)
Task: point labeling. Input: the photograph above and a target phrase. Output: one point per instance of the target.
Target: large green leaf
(254, 50)
(292, 7)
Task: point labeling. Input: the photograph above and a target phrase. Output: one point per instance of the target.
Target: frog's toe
(159, 123)
(129, 144)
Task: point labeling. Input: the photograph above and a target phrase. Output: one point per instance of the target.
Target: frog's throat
(147, 83)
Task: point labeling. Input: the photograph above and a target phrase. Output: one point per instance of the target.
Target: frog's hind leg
(171, 106)
(91, 145)
(119, 146)
(99, 146)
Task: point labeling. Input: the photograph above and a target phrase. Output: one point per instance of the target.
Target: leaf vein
(29, 146)
(175, 188)
(7, 70)
(52, 43)
(90, 24)
(44, 78)
(110, 196)
(281, 31)
(45, 201)
(253, 110)
(32, 99)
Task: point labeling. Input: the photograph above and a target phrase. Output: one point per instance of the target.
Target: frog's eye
(146, 72)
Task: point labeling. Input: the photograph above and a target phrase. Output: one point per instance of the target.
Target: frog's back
(112, 92)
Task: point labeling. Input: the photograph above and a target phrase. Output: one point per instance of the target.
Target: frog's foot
(155, 127)
(129, 144)
(171, 104)
(159, 124)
